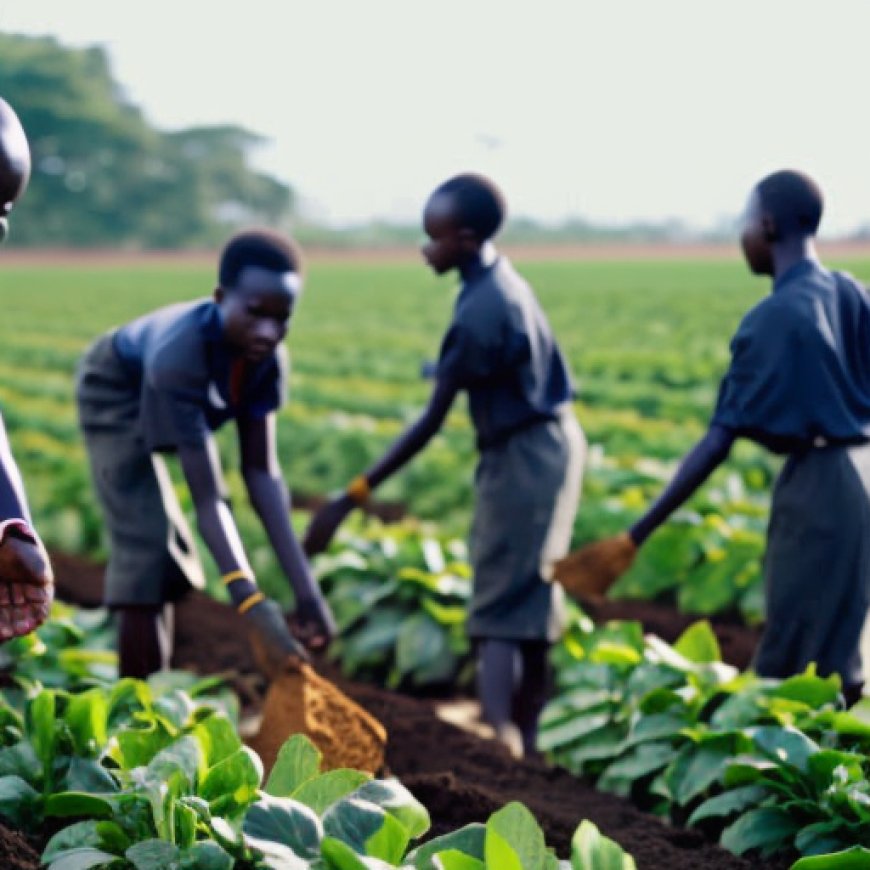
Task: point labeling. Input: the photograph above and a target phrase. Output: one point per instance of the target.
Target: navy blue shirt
(500, 349)
(800, 368)
(178, 361)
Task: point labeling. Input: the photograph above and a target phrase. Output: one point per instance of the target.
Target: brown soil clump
(15, 852)
(300, 701)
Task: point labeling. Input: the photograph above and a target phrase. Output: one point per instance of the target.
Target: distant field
(647, 341)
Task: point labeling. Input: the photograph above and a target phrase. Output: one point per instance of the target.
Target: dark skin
(26, 581)
(768, 251)
(449, 246)
(255, 313)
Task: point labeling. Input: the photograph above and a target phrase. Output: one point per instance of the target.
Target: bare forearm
(271, 501)
(695, 468)
(405, 448)
(220, 534)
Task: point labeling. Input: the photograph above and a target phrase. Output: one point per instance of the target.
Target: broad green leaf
(367, 829)
(325, 789)
(298, 761)
(175, 706)
(84, 774)
(183, 755)
(286, 822)
(600, 745)
(563, 735)
(856, 858)
(421, 641)
(812, 690)
(206, 855)
(697, 767)
(698, 643)
(608, 653)
(590, 850)
(514, 839)
(128, 697)
(137, 746)
(41, 716)
(656, 727)
(18, 800)
(769, 829)
(468, 840)
(87, 715)
(342, 857)
(455, 860)
(824, 837)
(232, 784)
(786, 745)
(77, 803)
(152, 855)
(392, 796)
(91, 833)
(186, 820)
(84, 859)
(19, 760)
(218, 737)
(729, 802)
(640, 761)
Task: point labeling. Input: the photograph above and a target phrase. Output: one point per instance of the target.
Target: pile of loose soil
(300, 701)
(459, 777)
(16, 853)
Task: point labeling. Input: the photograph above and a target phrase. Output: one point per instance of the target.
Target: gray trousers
(152, 554)
(527, 492)
(817, 565)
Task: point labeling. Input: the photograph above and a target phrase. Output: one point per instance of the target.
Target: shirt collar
(795, 272)
(475, 270)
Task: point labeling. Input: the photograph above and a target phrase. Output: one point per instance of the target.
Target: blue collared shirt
(179, 362)
(800, 367)
(500, 349)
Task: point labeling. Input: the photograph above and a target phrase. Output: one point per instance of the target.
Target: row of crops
(647, 341)
(154, 775)
(777, 767)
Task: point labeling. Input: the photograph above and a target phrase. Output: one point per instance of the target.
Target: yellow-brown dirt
(299, 701)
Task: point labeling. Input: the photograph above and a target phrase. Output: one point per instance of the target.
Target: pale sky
(610, 110)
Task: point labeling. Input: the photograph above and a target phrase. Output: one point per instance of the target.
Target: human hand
(325, 522)
(275, 649)
(593, 569)
(26, 580)
(313, 623)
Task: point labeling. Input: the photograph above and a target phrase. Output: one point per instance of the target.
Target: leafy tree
(103, 176)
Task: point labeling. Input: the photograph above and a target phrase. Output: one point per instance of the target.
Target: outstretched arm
(202, 471)
(696, 467)
(273, 643)
(271, 500)
(408, 445)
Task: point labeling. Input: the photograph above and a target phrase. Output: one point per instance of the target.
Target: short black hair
(480, 205)
(264, 248)
(793, 200)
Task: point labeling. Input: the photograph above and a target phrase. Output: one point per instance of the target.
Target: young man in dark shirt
(799, 384)
(501, 351)
(26, 587)
(165, 382)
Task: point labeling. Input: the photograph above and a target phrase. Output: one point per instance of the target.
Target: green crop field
(647, 341)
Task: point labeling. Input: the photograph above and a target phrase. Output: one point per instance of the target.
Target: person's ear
(468, 239)
(219, 294)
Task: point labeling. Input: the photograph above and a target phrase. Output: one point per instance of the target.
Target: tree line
(104, 177)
